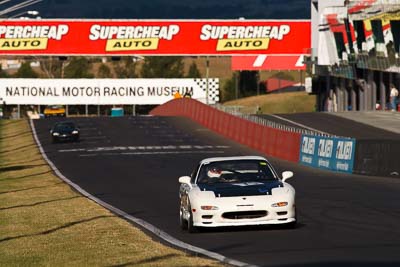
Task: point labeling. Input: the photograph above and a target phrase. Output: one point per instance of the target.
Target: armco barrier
(273, 142)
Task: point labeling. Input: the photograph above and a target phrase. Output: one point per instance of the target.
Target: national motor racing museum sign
(153, 37)
(105, 91)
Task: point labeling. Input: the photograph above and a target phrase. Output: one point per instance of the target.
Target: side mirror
(286, 175)
(184, 180)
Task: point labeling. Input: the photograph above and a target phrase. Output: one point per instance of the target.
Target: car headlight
(56, 134)
(279, 204)
(209, 208)
(75, 132)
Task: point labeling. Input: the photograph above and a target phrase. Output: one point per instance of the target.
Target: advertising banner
(268, 62)
(154, 37)
(330, 153)
(104, 91)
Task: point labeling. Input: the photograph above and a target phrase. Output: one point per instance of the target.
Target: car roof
(216, 159)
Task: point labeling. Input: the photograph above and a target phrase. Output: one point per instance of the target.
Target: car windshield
(235, 171)
(64, 126)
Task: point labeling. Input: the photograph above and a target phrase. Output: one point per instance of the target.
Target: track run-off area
(133, 164)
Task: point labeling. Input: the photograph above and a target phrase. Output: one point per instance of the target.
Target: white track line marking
(143, 148)
(152, 153)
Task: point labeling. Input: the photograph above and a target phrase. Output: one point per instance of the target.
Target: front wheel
(182, 222)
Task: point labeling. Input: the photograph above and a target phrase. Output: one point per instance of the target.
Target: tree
(51, 66)
(228, 92)
(78, 68)
(162, 67)
(125, 68)
(26, 71)
(248, 83)
(193, 71)
(3, 74)
(104, 71)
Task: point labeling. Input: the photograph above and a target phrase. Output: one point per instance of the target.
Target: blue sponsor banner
(330, 153)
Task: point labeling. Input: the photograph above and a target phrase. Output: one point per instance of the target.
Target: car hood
(241, 189)
(64, 131)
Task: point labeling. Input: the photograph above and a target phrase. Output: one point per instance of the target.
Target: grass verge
(293, 102)
(45, 223)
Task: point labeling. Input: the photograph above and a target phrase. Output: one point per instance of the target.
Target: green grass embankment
(45, 223)
(293, 102)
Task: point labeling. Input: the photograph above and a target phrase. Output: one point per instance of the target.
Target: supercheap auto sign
(153, 37)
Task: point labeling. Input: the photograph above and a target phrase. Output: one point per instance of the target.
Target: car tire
(182, 222)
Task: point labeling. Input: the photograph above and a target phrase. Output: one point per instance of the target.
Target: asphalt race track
(334, 125)
(134, 164)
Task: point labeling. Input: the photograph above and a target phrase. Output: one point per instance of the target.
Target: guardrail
(235, 110)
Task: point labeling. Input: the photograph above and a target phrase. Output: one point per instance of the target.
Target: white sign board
(308, 84)
(104, 91)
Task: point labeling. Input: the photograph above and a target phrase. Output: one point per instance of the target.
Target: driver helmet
(214, 172)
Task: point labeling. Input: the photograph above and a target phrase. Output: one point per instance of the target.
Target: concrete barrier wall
(367, 157)
(273, 142)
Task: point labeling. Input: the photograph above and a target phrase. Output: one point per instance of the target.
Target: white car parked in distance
(235, 191)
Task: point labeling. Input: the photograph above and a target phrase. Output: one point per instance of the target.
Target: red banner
(269, 62)
(153, 37)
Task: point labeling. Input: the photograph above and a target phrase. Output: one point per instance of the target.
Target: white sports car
(235, 191)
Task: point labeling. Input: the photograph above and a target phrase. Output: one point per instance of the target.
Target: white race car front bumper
(242, 211)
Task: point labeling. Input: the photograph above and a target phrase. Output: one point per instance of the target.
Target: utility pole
(63, 60)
